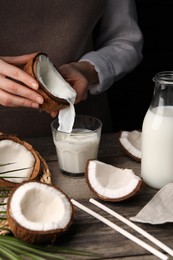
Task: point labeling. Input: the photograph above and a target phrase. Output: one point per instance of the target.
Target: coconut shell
(37, 166)
(32, 236)
(128, 153)
(51, 103)
(131, 194)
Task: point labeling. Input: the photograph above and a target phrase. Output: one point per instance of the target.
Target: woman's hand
(80, 75)
(18, 89)
(13, 93)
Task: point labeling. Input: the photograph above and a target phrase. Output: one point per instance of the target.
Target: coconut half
(18, 161)
(52, 86)
(38, 212)
(110, 183)
(131, 143)
(57, 93)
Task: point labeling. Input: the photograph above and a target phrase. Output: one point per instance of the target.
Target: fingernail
(34, 85)
(35, 105)
(39, 100)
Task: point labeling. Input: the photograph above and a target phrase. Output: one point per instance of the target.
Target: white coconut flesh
(131, 141)
(52, 80)
(40, 207)
(110, 181)
(16, 159)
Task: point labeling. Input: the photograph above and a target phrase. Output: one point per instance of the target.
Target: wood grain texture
(90, 234)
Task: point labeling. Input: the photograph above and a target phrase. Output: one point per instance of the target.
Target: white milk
(73, 150)
(157, 147)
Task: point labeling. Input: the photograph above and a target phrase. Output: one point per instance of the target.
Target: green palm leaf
(15, 249)
(14, 170)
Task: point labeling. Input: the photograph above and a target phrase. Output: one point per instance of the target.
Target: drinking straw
(121, 230)
(134, 226)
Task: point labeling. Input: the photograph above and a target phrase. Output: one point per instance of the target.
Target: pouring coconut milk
(76, 138)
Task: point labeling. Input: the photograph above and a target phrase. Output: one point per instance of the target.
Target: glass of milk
(75, 148)
(157, 134)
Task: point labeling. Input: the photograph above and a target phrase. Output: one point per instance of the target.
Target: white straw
(134, 226)
(121, 231)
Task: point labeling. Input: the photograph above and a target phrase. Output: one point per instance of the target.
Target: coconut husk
(51, 103)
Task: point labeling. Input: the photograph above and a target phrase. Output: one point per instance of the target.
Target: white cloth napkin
(159, 209)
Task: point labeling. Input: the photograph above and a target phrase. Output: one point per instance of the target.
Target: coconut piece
(131, 143)
(110, 183)
(52, 86)
(38, 212)
(18, 159)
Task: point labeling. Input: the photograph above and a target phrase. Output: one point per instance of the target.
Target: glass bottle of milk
(157, 134)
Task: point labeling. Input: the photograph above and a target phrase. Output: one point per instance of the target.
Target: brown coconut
(26, 213)
(110, 183)
(35, 171)
(130, 142)
(51, 102)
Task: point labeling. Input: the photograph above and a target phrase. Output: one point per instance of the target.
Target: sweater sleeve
(118, 44)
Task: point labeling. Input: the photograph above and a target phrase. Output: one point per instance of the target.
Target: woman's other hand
(80, 75)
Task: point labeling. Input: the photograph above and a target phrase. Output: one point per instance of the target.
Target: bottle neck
(163, 91)
(164, 77)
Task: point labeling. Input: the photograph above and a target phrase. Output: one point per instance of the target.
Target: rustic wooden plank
(90, 234)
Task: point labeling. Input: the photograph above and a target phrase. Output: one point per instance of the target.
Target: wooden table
(87, 232)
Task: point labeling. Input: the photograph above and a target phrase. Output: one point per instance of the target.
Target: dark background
(130, 98)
